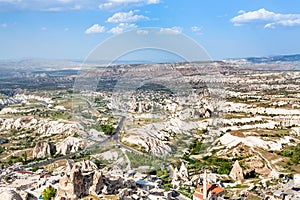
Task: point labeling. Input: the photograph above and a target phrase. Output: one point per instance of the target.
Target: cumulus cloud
(110, 4)
(270, 19)
(126, 17)
(122, 27)
(96, 28)
(172, 30)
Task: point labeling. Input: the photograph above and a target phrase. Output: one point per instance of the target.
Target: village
(84, 179)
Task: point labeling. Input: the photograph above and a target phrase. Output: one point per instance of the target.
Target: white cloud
(48, 5)
(43, 28)
(124, 1)
(126, 17)
(241, 12)
(106, 6)
(76, 7)
(288, 22)
(96, 28)
(62, 8)
(271, 19)
(270, 25)
(66, 5)
(10, 1)
(196, 29)
(172, 30)
(153, 1)
(54, 9)
(122, 27)
(66, 29)
(65, 1)
(110, 4)
(142, 32)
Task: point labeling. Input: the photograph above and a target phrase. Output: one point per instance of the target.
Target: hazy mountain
(270, 59)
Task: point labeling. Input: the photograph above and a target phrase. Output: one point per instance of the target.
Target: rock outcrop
(183, 172)
(27, 196)
(78, 184)
(40, 126)
(72, 186)
(295, 131)
(43, 149)
(85, 166)
(180, 175)
(236, 172)
(70, 145)
(10, 195)
(148, 144)
(153, 138)
(97, 184)
(231, 141)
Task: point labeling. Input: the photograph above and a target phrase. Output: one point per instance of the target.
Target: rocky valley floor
(151, 132)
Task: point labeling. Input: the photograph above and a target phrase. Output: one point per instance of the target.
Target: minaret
(204, 186)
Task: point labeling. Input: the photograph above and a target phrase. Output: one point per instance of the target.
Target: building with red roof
(208, 191)
(213, 191)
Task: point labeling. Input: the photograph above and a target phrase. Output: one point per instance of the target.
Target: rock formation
(148, 144)
(236, 172)
(43, 149)
(27, 196)
(41, 126)
(10, 195)
(179, 176)
(183, 172)
(71, 186)
(154, 137)
(69, 145)
(77, 184)
(97, 184)
(86, 166)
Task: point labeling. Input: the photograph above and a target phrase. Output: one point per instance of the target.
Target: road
(113, 136)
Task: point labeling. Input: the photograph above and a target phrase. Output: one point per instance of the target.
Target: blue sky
(70, 29)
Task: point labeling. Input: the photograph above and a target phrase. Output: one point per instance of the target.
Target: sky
(71, 29)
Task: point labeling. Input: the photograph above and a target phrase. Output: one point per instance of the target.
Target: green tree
(296, 155)
(49, 193)
(107, 129)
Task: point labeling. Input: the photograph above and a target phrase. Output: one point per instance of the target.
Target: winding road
(113, 136)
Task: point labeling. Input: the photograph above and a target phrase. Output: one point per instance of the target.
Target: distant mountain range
(279, 62)
(270, 59)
